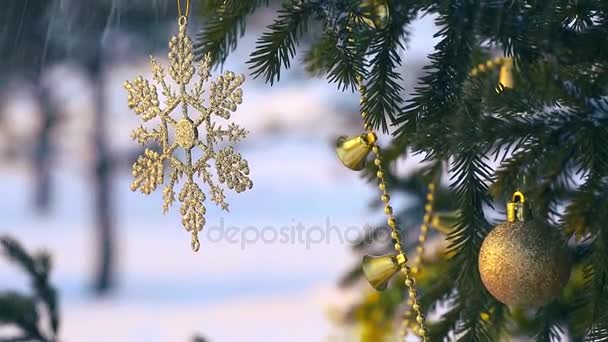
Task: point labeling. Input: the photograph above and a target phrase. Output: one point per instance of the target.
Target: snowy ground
(264, 289)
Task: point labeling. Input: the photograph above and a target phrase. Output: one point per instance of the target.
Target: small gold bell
(353, 151)
(505, 75)
(379, 270)
(375, 13)
(445, 221)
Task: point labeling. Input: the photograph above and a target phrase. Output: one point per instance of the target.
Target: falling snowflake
(224, 95)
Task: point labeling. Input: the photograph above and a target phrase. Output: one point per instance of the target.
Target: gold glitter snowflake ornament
(224, 94)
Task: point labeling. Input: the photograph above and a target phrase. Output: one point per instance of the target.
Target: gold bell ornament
(353, 151)
(375, 13)
(524, 262)
(380, 269)
(505, 74)
(444, 222)
(505, 71)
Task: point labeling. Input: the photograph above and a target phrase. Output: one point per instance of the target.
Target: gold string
(424, 229)
(179, 9)
(388, 210)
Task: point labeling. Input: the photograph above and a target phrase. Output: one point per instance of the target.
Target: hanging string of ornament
(185, 13)
(224, 95)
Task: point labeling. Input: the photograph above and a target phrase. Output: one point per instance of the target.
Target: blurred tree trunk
(102, 171)
(42, 150)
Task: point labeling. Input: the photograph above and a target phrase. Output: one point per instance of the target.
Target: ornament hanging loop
(517, 209)
(182, 14)
(182, 21)
(518, 197)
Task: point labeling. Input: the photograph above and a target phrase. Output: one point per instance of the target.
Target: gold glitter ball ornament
(196, 133)
(524, 262)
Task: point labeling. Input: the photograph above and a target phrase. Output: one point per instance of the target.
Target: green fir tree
(548, 135)
(35, 314)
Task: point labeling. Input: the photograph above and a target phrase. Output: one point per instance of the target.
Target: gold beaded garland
(505, 74)
(424, 228)
(352, 152)
(506, 81)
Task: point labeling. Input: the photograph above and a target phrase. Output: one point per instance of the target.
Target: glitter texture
(224, 96)
(524, 264)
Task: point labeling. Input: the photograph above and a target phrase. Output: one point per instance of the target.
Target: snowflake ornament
(224, 95)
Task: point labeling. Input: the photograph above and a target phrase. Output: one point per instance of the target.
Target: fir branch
(553, 120)
(315, 58)
(592, 144)
(340, 51)
(38, 268)
(225, 23)
(440, 289)
(470, 176)
(383, 87)
(597, 277)
(471, 327)
(343, 63)
(276, 48)
(443, 329)
(586, 216)
(21, 311)
(510, 174)
(509, 24)
(536, 160)
(440, 93)
(548, 327)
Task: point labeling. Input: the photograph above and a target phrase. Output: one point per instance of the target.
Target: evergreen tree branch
(315, 58)
(439, 94)
(38, 268)
(276, 48)
(21, 311)
(383, 87)
(443, 329)
(586, 216)
(549, 330)
(554, 122)
(470, 176)
(225, 23)
(343, 63)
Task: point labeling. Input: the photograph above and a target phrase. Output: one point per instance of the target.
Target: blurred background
(123, 270)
